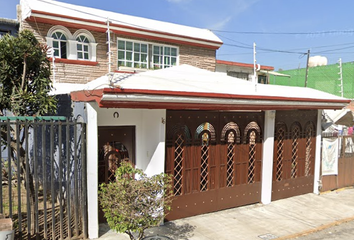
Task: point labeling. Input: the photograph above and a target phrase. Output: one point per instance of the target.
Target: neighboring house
(8, 26)
(243, 70)
(156, 99)
(246, 71)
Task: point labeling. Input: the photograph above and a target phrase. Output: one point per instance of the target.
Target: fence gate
(215, 160)
(345, 175)
(43, 173)
(294, 153)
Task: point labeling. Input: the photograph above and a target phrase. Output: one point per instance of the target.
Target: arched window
(78, 46)
(82, 47)
(85, 48)
(59, 44)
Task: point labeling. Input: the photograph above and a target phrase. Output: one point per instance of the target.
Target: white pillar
(92, 170)
(267, 156)
(317, 174)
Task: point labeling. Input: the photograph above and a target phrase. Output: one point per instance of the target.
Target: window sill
(74, 61)
(131, 69)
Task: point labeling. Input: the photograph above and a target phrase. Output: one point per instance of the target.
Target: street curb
(313, 230)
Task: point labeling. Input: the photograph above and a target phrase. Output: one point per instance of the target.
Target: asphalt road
(343, 231)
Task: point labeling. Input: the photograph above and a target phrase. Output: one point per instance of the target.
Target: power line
(286, 33)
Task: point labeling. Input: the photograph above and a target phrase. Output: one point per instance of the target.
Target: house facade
(86, 40)
(8, 26)
(148, 92)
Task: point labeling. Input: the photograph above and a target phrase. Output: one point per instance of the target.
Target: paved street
(342, 231)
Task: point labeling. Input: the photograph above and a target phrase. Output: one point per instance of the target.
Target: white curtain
(330, 156)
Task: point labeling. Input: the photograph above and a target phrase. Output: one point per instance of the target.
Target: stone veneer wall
(78, 73)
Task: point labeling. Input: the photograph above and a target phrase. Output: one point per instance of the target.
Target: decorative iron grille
(309, 133)
(204, 162)
(178, 165)
(294, 150)
(230, 158)
(252, 157)
(280, 152)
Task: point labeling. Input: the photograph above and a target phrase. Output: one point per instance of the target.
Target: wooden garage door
(294, 153)
(215, 160)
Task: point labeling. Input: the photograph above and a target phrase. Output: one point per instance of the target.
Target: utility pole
(255, 80)
(109, 53)
(307, 67)
(340, 77)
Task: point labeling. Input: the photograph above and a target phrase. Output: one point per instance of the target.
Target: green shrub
(135, 202)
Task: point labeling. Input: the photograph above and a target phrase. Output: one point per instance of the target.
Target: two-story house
(149, 90)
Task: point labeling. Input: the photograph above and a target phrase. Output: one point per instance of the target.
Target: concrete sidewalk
(282, 219)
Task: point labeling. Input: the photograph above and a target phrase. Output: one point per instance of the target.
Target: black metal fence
(43, 174)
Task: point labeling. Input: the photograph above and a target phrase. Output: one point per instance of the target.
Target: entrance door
(115, 145)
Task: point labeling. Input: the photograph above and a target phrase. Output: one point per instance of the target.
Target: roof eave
(44, 17)
(204, 101)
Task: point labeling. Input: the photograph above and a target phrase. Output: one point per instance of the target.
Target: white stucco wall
(92, 169)
(150, 146)
(149, 134)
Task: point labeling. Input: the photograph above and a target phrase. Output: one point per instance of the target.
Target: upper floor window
(164, 56)
(59, 44)
(146, 55)
(82, 47)
(78, 46)
(132, 54)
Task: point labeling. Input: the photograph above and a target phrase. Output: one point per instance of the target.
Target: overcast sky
(283, 30)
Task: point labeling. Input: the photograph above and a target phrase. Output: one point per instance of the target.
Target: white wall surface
(92, 169)
(149, 134)
(267, 156)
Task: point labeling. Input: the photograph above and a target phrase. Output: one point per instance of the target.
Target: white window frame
(65, 32)
(92, 45)
(133, 53)
(150, 55)
(84, 51)
(162, 56)
(71, 47)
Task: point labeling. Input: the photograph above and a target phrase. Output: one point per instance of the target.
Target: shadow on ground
(172, 230)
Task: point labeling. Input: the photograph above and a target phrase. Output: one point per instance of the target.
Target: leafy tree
(25, 76)
(131, 204)
(24, 90)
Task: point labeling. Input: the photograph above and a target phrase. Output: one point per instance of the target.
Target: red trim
(87, 96)
(45, 20)
(130, 72)
(216, 95)
(202, 106)
(73, 61)
(248, 65)
(96, 95)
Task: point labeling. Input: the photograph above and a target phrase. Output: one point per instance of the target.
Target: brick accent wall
(78, 73)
